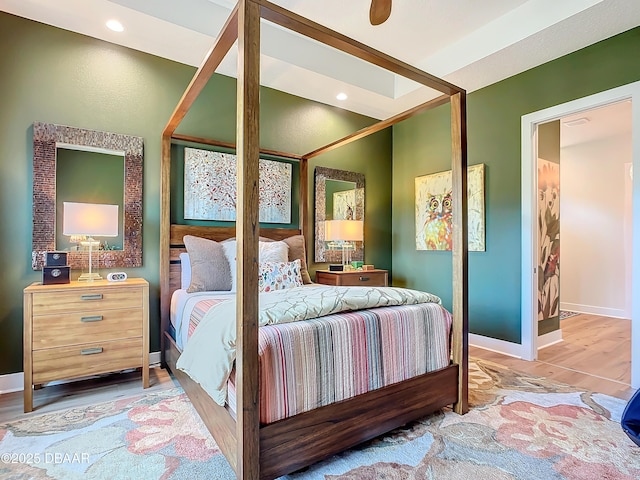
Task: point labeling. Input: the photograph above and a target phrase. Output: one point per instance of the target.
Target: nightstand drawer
(86, 299)
(82, 327)
(86, 359)
(364, 279)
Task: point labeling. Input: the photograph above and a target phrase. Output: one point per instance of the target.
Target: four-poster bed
(257, 450)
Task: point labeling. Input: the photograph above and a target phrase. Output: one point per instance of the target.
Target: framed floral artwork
(210, 187)
(548, 239)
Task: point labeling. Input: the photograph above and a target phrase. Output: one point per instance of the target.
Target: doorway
(529, 216)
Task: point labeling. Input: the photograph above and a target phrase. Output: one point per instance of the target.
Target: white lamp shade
(346, 230)
(90, 219)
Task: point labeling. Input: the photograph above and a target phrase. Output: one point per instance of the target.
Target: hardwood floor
(593, 344)
(595, 355)
(84, 392)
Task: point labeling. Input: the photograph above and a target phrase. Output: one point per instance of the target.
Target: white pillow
(185, 274)
(277, 252)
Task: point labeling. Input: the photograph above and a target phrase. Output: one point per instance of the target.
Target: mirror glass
(84, 176)
(339, 195)
(87, 166)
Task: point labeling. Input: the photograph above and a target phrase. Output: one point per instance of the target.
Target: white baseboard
(549, 339)
(14, 382)
(154, 359)
(493, 344)
(593, 310)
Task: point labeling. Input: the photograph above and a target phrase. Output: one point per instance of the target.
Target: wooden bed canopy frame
(268, 451)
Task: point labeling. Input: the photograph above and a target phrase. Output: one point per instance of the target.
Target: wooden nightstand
(84, 328)
(371, 278)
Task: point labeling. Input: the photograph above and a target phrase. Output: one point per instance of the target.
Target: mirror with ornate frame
(47, 139)
(332, 189)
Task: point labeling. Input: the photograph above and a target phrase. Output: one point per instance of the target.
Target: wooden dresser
(364, 278)
(84, 328)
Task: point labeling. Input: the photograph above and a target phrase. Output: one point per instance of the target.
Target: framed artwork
(434, 210)
(210, 187)
(548, 239)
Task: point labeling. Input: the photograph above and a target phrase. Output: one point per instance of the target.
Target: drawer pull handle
(93, 318)
(91, 351)
(364, 279)
(93, 296)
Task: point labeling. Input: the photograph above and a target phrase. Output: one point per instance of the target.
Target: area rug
(519, 427)
(567, 314)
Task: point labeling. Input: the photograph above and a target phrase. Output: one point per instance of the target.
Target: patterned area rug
(519, 427)
(567, 314)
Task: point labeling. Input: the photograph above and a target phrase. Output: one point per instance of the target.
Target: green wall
(55, 76)
(421, 145)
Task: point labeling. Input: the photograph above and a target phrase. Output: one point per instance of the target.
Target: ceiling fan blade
(380, 11)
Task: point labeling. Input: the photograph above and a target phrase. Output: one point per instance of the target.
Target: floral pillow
(279, 276)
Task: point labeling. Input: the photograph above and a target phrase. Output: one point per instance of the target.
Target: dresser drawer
(371, 279)
(82, 327)
(86, 359)
(85, 300)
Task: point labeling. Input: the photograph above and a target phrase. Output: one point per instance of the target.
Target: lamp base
(89, 277)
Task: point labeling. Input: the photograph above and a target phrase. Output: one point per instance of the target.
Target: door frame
(529, 174)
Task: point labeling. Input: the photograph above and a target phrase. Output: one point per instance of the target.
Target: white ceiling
(470, 43)
(596, 124)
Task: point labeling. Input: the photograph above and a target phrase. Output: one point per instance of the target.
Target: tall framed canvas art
(434, 210)
(210, 187)
(548, 239)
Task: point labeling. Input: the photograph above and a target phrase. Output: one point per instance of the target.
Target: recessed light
(342, 96)
(576, 122)
(115, 25)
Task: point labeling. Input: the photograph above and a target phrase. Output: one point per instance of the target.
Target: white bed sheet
(182, 304)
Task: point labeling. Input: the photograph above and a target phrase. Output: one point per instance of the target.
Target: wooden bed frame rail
(317, 434)
(252, 450)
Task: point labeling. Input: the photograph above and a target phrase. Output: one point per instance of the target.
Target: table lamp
(90, 220)
(345, 232)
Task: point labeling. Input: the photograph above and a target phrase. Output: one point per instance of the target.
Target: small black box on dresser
(55, 275)
(55, 259)
(55, 270)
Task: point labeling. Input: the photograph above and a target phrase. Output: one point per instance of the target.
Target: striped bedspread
(311, 363)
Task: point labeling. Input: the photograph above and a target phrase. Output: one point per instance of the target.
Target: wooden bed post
(460, 247)
(165, 226)
(247, 232)
(223, 43)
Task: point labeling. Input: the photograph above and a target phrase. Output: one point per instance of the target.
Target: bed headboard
(176, 243)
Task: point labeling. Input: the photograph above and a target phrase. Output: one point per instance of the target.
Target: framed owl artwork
(434, 210)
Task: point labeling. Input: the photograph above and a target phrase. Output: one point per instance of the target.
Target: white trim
(528, 181)
(494, 345)
(154, 359)
(14, 382)
(549, 339)
(529, 174)
(593, 310)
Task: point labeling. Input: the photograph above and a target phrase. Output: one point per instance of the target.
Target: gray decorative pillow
(209, 266)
